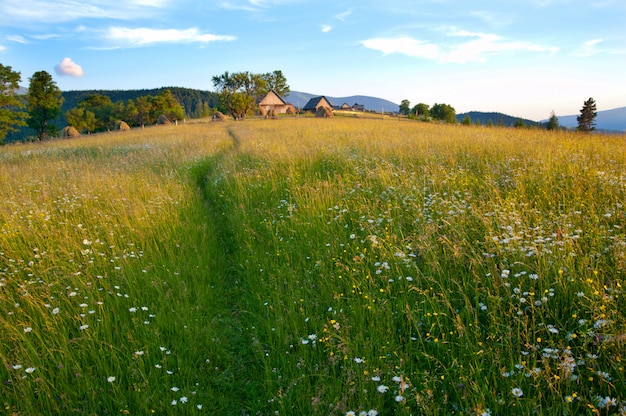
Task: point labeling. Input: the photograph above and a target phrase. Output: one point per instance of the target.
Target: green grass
(313, 266)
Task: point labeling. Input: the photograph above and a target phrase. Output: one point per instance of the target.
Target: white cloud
(588, 48)
(326, 28)
(475, 50)
(342, 16)
(2, 48)
(124, 37)
(69, 67)
(17, 38)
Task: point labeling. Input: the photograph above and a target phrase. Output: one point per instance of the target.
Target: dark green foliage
(11, 116)
(443, 112)
(405, 107)
(502, 119)
(587, 118)
(44, 104)
(553, 124)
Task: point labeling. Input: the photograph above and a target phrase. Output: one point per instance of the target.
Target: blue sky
(525, 58)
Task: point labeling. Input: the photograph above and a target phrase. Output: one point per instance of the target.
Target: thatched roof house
(273, 101)
(317, 102)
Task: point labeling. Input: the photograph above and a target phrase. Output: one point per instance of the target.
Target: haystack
(290, 110)
(122, 126)
(218, 116)
(69, 131)
(163, 120)
(324, 112)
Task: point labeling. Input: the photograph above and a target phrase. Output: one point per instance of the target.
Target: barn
(317, 102)
(273, 101)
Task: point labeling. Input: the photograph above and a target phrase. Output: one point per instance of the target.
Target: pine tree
(553, 124)
(587, 118)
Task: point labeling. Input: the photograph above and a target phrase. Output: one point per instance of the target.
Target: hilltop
(611, 120)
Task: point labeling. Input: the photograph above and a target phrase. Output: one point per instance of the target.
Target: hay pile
(69, 131)
(122, 126)
(290, 110)
(324, 112)
(218, 116)
(163, 120)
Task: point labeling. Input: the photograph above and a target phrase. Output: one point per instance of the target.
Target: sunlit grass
(312, 266)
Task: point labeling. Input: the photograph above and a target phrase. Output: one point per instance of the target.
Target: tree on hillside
(275, 81)
(421, 110)
(520, 124)
(587, 118)
(11, 104)
(103, 109)
(405, 107)
(443, 112)
(44, 104)
(239, 92)
(81, 119)
(553, 123)
(467, 121)
(165, 104)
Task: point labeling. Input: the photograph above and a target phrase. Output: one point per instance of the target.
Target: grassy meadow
(314, 266)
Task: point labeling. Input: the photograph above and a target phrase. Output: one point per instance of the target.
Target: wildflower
(375, 378)
(132, 310)
(174, 389)
(138, 352)
(553, 329)
(350, 413)
(144, 308)
(30, 370)
(199, 406)
(382, 388)
(397, 379)
(358, 360)
(487, 412)
(517, 392)
(372, 412)
(17, 366)
(184, 399)
(83, 327)
(110, 379)
(174, 403)
(55, 311)
(27, 329)
(399, 398)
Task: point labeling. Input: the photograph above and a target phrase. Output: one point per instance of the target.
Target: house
(358, 107)
(317, 102)
(273, 101)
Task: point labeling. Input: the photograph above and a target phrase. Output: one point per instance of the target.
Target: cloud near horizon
(475, 50)
(69, 67)
(124, 37)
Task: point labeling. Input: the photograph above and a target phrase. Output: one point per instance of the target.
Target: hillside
(495, 118)
(299, 99)
(612, 120)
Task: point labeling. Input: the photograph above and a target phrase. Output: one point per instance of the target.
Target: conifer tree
(587, 118)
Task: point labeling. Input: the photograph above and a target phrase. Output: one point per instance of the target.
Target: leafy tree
(520, 124)
(10, 103)
(144, 107)
(405, 107)
(467, 121)
(81, 119)
(443, 112)
(553, 124)
(166, 104)
(421, 110)
(239, 92)
(275, 81)
(102, 108)
(587, 118)
(44, 104)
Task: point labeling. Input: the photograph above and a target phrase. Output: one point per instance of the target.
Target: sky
(524, 58)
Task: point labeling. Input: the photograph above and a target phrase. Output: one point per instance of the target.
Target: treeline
(195, 103)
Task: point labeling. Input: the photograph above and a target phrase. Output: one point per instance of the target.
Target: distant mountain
(612, 120)
(299, 99)
(497, 119)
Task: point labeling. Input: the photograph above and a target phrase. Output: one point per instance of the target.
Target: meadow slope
(311, 266)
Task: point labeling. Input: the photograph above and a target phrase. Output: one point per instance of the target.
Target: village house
(317, 102)
(273, 101)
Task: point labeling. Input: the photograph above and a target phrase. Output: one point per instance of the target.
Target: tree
(443, 112)
(239, 92)
(587, 118)
(520, 124)
(10, 103)
(81, 119)
(44, 104)
(102, 108)
(405, 107)
(275, 81)
(467, 121)
(166, 104)
(421, 110)
(553, 124)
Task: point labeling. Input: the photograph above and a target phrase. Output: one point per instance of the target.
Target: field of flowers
(305, 266)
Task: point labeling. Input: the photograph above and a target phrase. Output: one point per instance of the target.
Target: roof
(314, 103)
(271, 97)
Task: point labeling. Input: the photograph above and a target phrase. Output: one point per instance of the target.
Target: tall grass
(314, 267)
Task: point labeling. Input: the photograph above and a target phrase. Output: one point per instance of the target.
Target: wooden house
(317, 102)
(273, 101)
